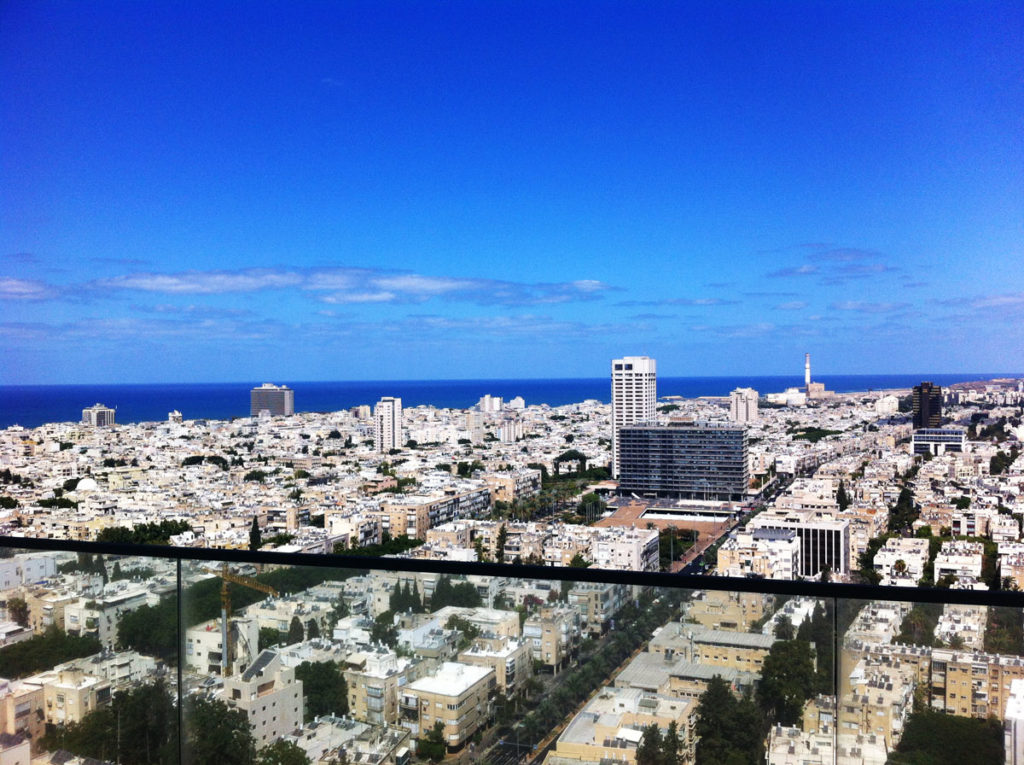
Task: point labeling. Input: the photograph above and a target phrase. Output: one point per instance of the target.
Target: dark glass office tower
(927, 405)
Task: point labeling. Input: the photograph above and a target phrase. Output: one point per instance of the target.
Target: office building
(278, 400)
(98, 416)
(634, 397)
(937, 441)
(743, 405)
(704, 461)
(824, 538)
(927, 405)
(387, 424)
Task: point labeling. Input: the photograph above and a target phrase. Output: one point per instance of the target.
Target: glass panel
(369, 666)
(88, 653)
(932, 681)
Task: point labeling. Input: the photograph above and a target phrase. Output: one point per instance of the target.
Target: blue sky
(289, 191)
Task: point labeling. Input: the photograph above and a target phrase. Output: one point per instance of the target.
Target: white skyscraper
(387, 420)
(634, 397)
(743, 405)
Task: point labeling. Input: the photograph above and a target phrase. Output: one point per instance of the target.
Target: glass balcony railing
(166, 655)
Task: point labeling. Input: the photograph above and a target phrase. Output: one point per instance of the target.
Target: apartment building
(457, 695)
(269, 695)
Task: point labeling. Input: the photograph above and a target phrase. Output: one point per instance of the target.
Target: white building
(387, 422)
(960, 559)
(269, 695)
(767, 553)
(1013, 724)
(626, 549)
(490, 404)
(98, 415)
(743, 405)
(901, 562)
(634, 397)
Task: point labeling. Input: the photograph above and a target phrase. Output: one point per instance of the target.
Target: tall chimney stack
(807, 370)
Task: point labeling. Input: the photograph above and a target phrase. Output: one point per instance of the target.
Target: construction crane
(226, 654)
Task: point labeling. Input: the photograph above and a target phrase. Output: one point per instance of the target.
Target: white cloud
(792, 305)
(205, 282)
(24, 289)
(865, 307)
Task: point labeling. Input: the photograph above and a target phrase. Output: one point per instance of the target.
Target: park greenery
(324, 688)
(144, 533)
(387, 546)
(936, 738)
(138, 727)
(45, 651)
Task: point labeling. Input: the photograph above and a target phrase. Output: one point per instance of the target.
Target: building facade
(743, 405)
(98, 415)
(634, 397)
(279, 400)
(387, 424)
(927, 405)
(703, 461)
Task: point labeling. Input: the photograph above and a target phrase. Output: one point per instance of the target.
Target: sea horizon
(33, 405)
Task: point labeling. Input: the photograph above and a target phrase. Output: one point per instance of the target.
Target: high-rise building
(684, 460)
(927, 405)
(279, 400)
(634, 397)
(743, 405)
(387, 422)
(98, 415)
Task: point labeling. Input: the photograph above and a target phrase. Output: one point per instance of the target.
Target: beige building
(553, 635)
(597, 602)
(22, 708)
(457, 695)
(511, 660)
(723, 610)
(672, 675)
(973, 684)
(878, 698)
(269, 695)
(69, 695)
(744, 651)
(374, 678)
(609, 728)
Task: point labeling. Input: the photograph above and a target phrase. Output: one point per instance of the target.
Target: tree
(784, 628)
(295, 631)
(140, 726)
(255, 537)
(325, 689)
(841, 497)
(578, 561)
(432, 745)
(269, 636)
(282, 753)
(17, 610)
(500, 544)
(216, 734)
(384, 630)
(648, 752)
(44, 651)
(729, 731)
(943, 739)
(671, 745)
(787, 679)
(312, 629)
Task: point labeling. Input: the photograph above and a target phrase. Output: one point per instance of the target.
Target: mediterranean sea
(34, 405)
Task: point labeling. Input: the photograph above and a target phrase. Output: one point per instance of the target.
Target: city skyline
(413, 192)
